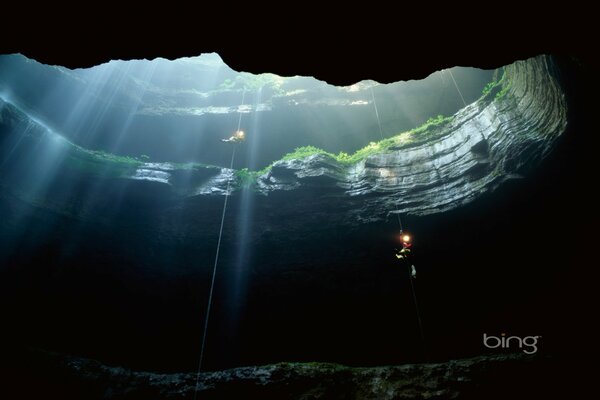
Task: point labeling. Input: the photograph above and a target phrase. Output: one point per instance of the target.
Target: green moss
(101, 155)
(102, 163)
(503, 92)
(417, 135)
(487, 89)
(427, 127)
(264, 170)
(245, 177)
(192, 165)
(303, 152)
(251, 82)
(98, 162)
(496, 88)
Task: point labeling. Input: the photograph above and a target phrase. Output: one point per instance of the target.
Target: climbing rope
(240, 117)
(214, 271)
(442, 97)
(414, 296)
(463, 100)
(410, 277)
(381, 134)
(455, 85)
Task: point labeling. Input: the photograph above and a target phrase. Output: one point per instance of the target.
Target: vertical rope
(381, 134)
(414, 296)
(459, 92)
(377, 113)
(409, 267)
(240, 112)
(214, 271)
(463, 100)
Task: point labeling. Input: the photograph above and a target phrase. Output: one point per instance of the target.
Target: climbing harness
(240, 134)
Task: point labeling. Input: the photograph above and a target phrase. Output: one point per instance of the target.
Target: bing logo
(528, 343)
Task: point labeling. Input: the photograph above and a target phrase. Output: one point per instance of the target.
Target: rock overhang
(498, 138)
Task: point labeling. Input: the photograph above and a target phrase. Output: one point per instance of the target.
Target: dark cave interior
(516, 260)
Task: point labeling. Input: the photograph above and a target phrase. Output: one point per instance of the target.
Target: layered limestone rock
(498, 138)
(495, 139)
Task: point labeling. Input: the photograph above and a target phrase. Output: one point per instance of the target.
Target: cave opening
(177, 111)
(105, 255)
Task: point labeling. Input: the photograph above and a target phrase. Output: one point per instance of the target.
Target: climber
(237, 137)
(406, 246)
(406, 252)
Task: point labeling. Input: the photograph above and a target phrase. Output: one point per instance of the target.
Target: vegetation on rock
(404, 139)
(496, 88)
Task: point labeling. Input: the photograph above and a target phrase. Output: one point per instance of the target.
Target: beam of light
(238, 284)
(96, 102)
(94, 197)
(30, 167)
(37, 160)
(111, 99)
(97, 192)
(147, 72)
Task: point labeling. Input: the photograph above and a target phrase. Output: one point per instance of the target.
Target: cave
(108, 241)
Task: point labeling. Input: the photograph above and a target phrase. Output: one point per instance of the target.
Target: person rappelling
(406, 247)
(238, 137)
(405, 254)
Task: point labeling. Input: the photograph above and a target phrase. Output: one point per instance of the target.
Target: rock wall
(474, 378)
(498, 138)
(146, 234)
(495, 139)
